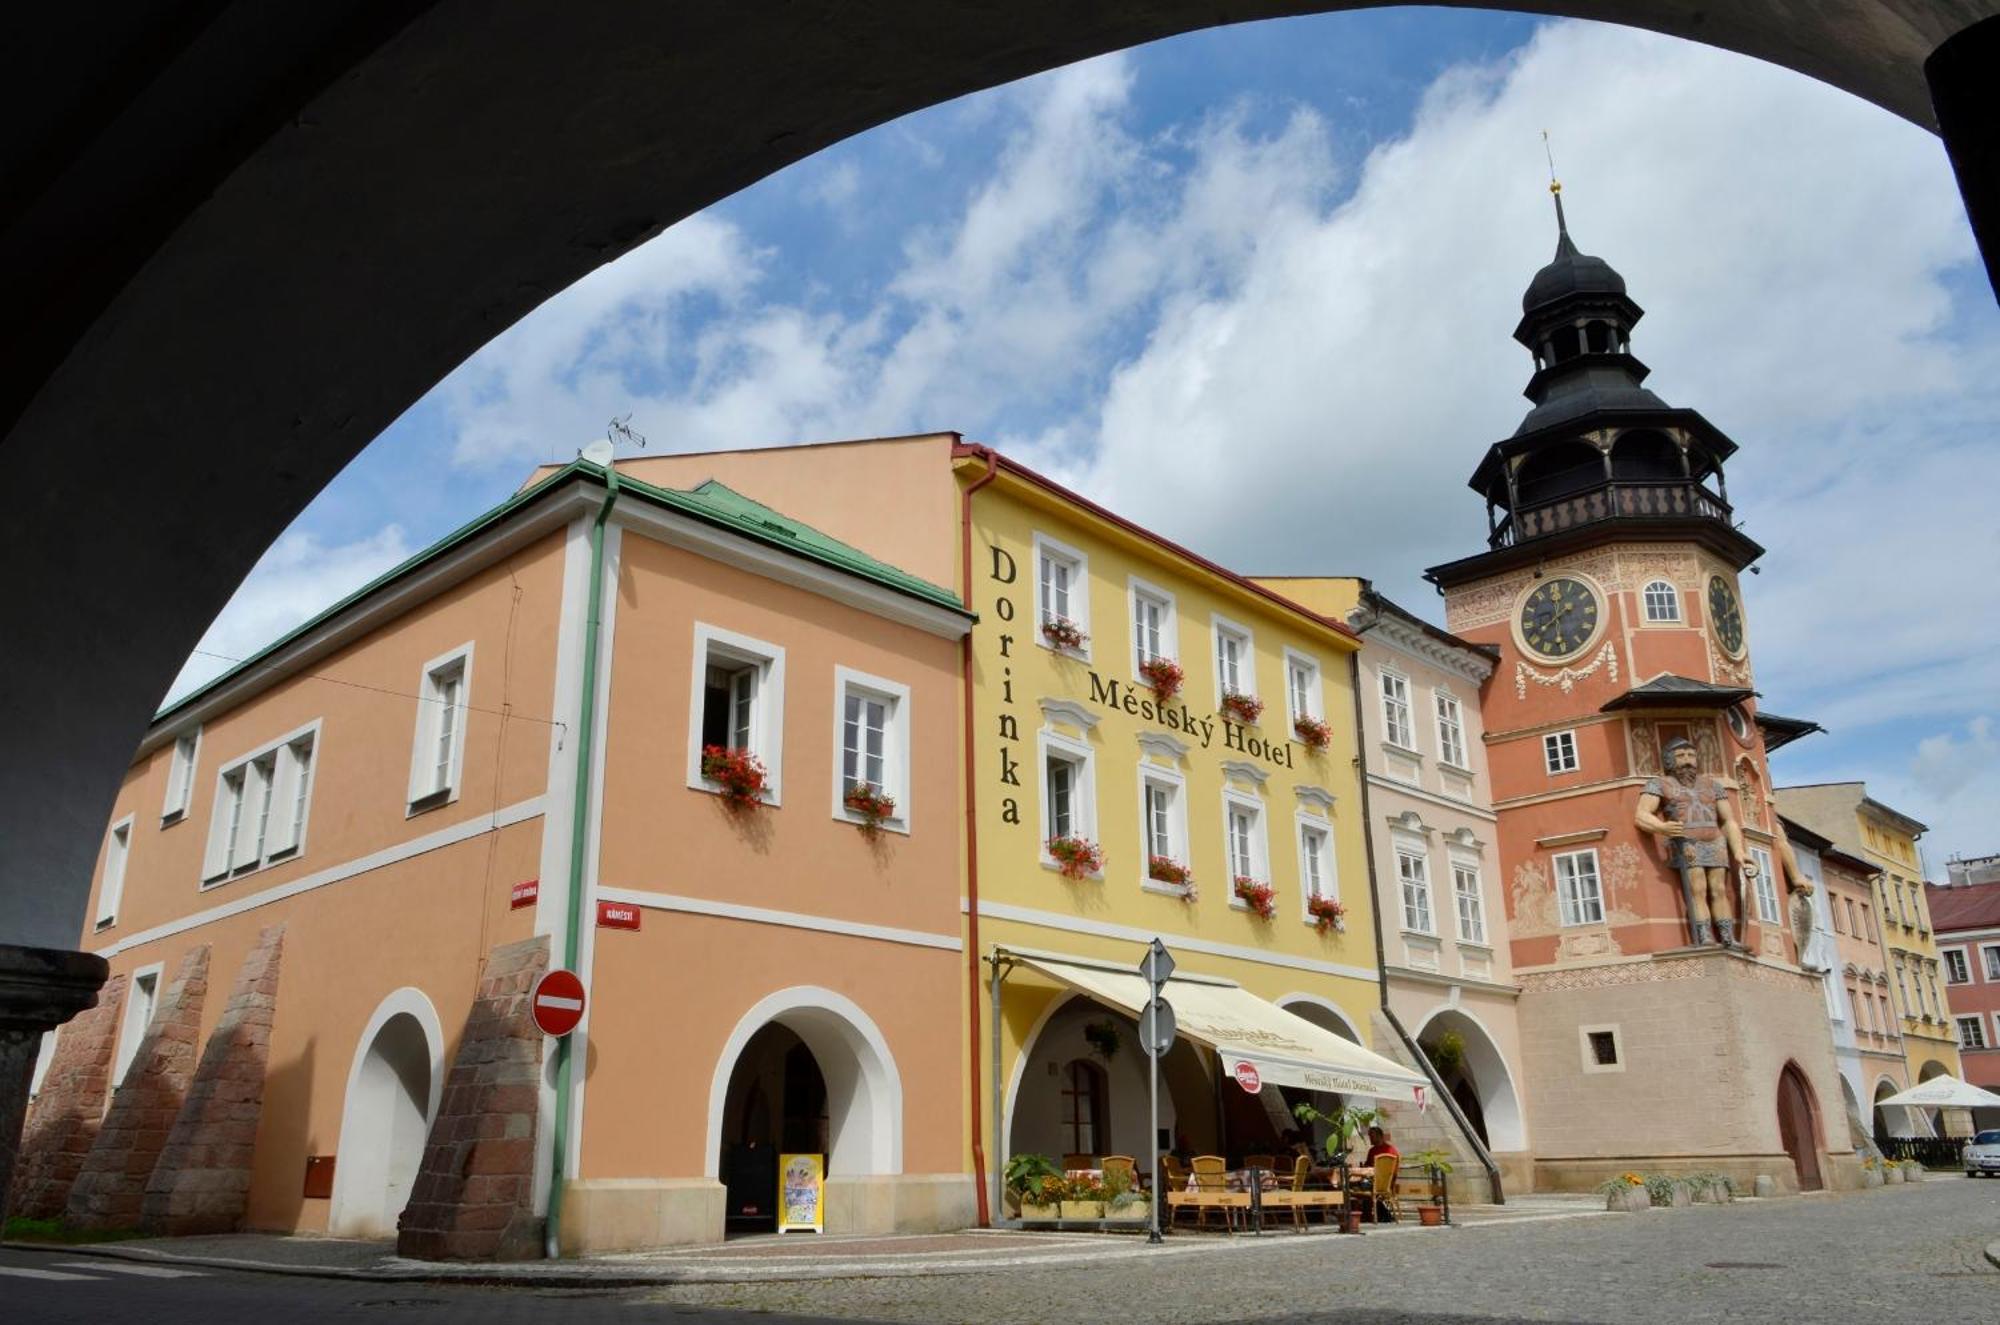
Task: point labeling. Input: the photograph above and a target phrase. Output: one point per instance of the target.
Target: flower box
(737, 773)
(1327, 913)
(1243, 708)
(1165, 869)
(1313, 733)
(1063, 633)
(1631, 1200)
(1261, 897)
(1083, 1209)
(1037, 1210)
(1164, 675)
(1076, 857)
(871, 803)
(1126, 1212)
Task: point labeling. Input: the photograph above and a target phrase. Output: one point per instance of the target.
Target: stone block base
(1583, 1173)
(903, 1203)
(1517, 1172)
(635, 1214)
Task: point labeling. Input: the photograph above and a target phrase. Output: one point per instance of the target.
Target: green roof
(712, 503)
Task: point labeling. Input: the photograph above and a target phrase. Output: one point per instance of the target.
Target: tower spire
(1563, 241)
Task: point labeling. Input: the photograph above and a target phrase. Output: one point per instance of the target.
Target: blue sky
(1297, 248)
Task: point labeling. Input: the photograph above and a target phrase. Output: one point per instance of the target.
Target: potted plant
(1083, 1198)
(1913, 1170)
(1076, 857)
(1102, 1037)
(1022, 1179)
(1164, 675)
(1244, 708)
(1122, 1203)
(1626, 1192)
(1044, 1199)
(872, 803)
(1436, 1163)
(1871, 1172)
(1327, 913)
(1313, 733)
(1063, 633)
(1342, 1125)
(1261, 897)
(1447, 1052)
(1165, 869)
(738, 773)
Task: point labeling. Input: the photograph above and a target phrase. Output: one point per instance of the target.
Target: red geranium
(1243, 708)
(1164, 675)
(1327, 914)
(1317, 735)
(1076, 857)
(1165, 869)
(871, 803)
(1063, 633)
(1262, 897)
(739, 773)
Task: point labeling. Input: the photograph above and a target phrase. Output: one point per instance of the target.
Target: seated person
(1378, 1146)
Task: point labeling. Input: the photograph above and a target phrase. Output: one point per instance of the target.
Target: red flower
(1327, 914)
(1243, 708)
(1076, 857)
(738, 773)
(871, 803)
(1262, 897)
(1164, 675)
(1317, 735)
(1165, 869)
(1063, 633)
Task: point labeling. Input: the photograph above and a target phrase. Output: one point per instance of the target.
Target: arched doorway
(1080, 1087)
(776, 1103)
(1798, 1126)
(1476, 1074)
(392, 1095)
(1325, 1015)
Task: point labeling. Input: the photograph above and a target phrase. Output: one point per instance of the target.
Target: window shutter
(215, 863)
(256, 788)
(282, 833)
(423, 745)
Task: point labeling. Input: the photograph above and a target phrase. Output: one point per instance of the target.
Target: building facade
(1609, 592)
(342, 866)
(1967, 916)
(1887, 839)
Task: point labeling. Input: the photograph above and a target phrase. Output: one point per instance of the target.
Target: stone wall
(63, 1120)
(474, 1194)
(110, 1188)
(201, 1183)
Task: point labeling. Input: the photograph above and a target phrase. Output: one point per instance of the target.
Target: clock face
(1739, 724)
(1559, 617)
(1727, 615)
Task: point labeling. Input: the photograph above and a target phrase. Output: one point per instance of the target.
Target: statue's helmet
(1675, 747)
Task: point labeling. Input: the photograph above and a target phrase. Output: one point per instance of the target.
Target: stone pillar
(1966, 97)
(474, 1197)
(201, 1182)
(62, 1121)
(111, 1187)
(40, 989)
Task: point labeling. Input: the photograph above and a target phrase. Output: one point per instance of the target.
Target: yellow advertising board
(801, 1193)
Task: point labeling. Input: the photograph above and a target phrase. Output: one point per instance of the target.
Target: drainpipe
(972, 858)
(1423, 1060)
(578, 845)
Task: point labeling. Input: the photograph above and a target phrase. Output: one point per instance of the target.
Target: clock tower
(1609, 586)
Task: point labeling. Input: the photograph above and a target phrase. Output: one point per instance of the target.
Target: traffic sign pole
(1156, 1033)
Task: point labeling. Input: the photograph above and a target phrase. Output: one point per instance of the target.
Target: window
(1956, 970)
(1163, 820)
(1663, 602)
(1767, 887)
(1397, 729)
(1316, 878)
(1902, 990)
(117, 848)
(1834, 911)
(1937, 999)
(1414, 873)
(1471, 906)
(1971, 1033)
(1235, 663)
(1155, 628)
(1451, 730)
(738, 703)
(1083, 1112)
(261, 804)
(871, 742)
(1991, 957)
(1243, 832)
(1064, 776)
(1559, 752)
(1062, 592)
(1579, 896)
(1869, 916)
(1603, 1048)
(437, 759)
(180, 776)
(1069, 791)
(139, 1003)
(1302, 691)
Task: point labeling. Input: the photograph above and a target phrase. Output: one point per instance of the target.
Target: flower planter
(1258, 896)
(1631, 1200)
(1083, 1209)
(1894, 1174)
(1132, 1212)
(1076, 857)
(1913, 1173)
(1163, 676)
(1313, 734)
(1430, 1216)
(1719, 1193)
(1245, 709)
(1871, 1177)
(1350, 1220)
(1035, 1211)
(1064, 634)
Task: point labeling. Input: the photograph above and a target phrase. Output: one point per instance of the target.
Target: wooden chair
(1260, 1161)
(1173, 1172)
(1380, 1194)
(1294, 1196)
(1121, 1163)
(1210, 1187)
(1079, 1162)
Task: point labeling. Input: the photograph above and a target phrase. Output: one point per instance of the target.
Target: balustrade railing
(1933, 1152)
(1611, 500)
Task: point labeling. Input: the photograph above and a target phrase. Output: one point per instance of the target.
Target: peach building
(335, 873)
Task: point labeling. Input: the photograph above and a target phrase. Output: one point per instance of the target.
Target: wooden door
(1798, 1130)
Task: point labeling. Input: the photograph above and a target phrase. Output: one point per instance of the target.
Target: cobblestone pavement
(1890, 1254)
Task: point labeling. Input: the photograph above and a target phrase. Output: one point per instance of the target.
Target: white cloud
(298, 578)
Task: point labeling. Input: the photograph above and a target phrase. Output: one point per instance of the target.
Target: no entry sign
(558, 1002)
(1247, 1077)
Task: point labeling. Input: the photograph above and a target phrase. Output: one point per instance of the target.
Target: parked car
(1982, 1156)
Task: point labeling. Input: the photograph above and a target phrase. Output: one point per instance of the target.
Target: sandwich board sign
(801, 1193)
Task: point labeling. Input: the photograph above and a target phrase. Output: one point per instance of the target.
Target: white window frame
(1989, 957)
(1964, 964)
(181, 772)
(1152, 775)
(1390, 702)
(132, 1030)
(1574, 910)
(1672, 600)
(1590, 1063)
(427, 789)
(1978, 1027)
(1137, 591)
(1084, 814)
(1418, 888)
(1309, 827)
(1079, 593)
(1477, 934)
(117, 855)
(1219, 628)
(1441, 697)
(286, 806)
(767, 722)
(1315, 691)
(1259, 842)
(1768, 910)
(1558, 746)
(896, 780)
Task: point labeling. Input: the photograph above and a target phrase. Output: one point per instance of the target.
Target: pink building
(1966, 919)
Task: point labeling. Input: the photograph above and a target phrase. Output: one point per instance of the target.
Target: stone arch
(1559, 470)
(864, 1090)
(1324, 1013)
(1491, 1079)
(1032, 1114)
(1645, 454)
(393, 1088)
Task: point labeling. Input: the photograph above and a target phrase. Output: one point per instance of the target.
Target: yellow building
(1887, 838)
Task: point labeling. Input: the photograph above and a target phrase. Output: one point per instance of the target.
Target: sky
(1254, 288)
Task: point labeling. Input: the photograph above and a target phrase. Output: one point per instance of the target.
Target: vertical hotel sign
(801, 1193)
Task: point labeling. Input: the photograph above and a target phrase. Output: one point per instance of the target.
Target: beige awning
(1243, 1028)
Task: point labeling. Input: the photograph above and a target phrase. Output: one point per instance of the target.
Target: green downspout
(578, 848)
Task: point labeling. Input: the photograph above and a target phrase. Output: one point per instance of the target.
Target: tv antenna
(621, 430)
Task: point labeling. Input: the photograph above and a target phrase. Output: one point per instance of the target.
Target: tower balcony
(1677, 500)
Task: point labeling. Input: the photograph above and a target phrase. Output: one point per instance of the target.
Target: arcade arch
(1079, 1085)
(1480, 1081)
(393, 1088)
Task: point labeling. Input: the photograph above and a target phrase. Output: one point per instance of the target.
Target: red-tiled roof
(1975, 906)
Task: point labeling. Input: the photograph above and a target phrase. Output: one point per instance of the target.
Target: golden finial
(1555, 185)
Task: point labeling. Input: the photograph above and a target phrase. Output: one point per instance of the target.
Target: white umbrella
(1945, 1092)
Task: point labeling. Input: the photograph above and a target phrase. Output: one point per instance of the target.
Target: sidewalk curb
(1993, 1254)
